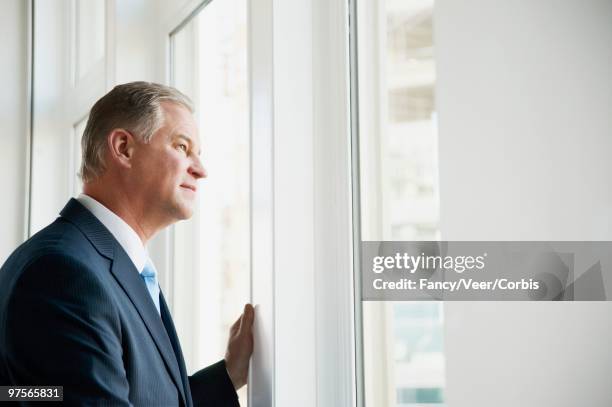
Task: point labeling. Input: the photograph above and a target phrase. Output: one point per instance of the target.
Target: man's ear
(121, 145)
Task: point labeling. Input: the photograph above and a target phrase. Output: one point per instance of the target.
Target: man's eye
(182, 147)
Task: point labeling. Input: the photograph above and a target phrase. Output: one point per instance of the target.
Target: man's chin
(181, 211)
(187, 210)
(185, 213)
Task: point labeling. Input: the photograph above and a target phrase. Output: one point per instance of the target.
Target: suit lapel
(126, 274)
(169, 325)
(128, 277)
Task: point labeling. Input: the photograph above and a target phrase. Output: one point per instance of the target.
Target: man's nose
(197, 170)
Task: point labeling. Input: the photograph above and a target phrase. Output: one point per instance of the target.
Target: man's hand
(240, 347)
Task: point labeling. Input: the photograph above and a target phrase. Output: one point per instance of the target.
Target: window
(212, 251)
(89, 36)
(76, 157)
(402, 341)
(69, 74)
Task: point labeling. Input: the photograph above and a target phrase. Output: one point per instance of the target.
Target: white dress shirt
(125, 235)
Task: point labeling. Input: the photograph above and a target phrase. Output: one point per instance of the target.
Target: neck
(125, 206)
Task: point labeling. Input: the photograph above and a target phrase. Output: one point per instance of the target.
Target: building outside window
(403, 341)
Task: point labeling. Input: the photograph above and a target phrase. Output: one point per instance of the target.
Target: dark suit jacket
(74, 312)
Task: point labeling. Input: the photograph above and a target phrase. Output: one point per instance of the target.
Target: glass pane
(210, 66)
(90, 32)
(76, 157)
(403, 341)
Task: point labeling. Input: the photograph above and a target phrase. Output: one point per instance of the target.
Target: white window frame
(301, 218)
(72, 100)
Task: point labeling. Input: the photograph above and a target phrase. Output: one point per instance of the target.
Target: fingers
(235, 326)
(240, 347)
(246, 320)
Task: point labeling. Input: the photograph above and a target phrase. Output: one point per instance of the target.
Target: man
(80, 306)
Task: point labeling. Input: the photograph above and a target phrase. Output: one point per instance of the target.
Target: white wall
(524, 97)
(13, 114)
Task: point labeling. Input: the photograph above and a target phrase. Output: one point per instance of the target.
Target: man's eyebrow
(187, 139)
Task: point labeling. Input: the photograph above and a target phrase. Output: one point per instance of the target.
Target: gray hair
(134, 106)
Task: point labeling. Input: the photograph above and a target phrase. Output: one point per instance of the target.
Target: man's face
(168, 167)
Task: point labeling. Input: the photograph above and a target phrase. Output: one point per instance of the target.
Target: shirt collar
(122, 232)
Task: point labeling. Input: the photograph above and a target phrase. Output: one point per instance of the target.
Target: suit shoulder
(58, 251)
(59, 239)
(54, 269)
(61, 235)
(58, 279)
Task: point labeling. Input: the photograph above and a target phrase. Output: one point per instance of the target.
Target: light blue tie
(149, 275)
